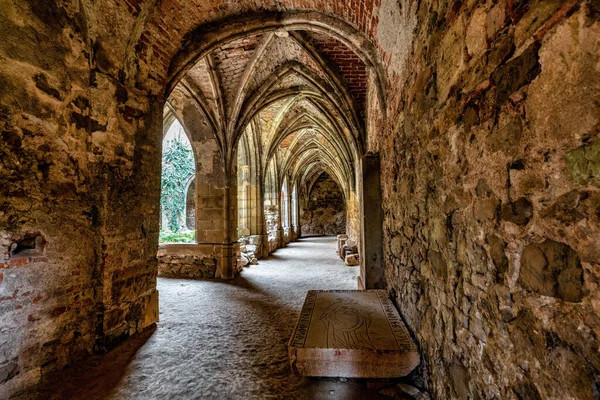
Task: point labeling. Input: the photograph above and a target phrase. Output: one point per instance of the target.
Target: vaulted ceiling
(302, 93)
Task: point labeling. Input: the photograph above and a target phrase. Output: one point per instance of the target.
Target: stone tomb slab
(351, 334)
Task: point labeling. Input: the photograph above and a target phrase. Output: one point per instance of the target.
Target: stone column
(216, 189)
(251, 208)
(288, 205)
(371, 225)
(280, 239)
(261, 224)
(299, 206)
(216, 224)
(295, 211)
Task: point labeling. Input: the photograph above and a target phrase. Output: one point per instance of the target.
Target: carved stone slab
(352, 334)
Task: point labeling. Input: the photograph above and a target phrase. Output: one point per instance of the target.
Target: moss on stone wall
(490, 195)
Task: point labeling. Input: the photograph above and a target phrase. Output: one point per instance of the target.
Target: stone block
(552, 269)
(8, 371)
(352, 334)
(254, 240)
(352, 260)
(214, 236)
(518, 212)
(450, 61)
(476, 33)
(348, 249)
(341, 240)
(192, 261)
(150, 314)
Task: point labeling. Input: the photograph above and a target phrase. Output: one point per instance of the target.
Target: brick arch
(304, 119)
(313, 173)
(332, 98)
(334, 150)
(170, 21)
(333, 121)
(171, 64)
(343, 160)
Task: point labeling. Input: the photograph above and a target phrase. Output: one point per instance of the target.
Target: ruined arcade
(177, 175)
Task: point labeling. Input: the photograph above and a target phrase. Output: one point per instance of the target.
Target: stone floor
(222, 339)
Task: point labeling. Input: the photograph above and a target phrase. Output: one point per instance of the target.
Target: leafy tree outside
(178, 167)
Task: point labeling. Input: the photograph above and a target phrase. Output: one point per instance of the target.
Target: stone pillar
(297, 224)
(261, 224)
(280, 236)
(243, 206)
(288, 205)
(280, 233)
(216, 190)
(371, 225)
(252, 209)
(216, 224)
(297, 232)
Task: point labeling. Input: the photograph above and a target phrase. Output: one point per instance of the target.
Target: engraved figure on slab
(346, 326)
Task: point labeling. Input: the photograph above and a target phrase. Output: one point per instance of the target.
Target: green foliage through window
(181, 237)
(177, 170)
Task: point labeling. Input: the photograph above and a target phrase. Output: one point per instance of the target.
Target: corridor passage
(222, 339)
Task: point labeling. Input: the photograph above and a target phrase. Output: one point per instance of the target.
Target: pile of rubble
(247, 253)
(272, 221)
(347, 250)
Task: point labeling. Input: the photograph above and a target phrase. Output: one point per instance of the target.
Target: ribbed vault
(287, 90)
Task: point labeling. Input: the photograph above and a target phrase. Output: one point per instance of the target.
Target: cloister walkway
(222, 339)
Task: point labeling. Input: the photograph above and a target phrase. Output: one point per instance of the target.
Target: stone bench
(351, 334)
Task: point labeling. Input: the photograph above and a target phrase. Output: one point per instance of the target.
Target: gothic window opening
(178, 187)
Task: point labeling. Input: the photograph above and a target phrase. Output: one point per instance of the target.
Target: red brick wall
(167, 24)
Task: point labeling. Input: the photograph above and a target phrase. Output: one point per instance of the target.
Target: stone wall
(491, 192)
(490, 178)
(188, 261)
(324, 213)
(80, 149)
(353, 217)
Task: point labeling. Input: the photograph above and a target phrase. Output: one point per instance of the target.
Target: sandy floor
(223, 339)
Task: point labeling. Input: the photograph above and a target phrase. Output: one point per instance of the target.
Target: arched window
(294, 206)
(177, 180)
(284, 205)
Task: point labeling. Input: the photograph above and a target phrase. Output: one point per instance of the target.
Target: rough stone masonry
(491, 198)
(483, 115)
(324, 214)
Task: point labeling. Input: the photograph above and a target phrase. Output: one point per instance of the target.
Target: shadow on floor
(93, 378)
(221, 340)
